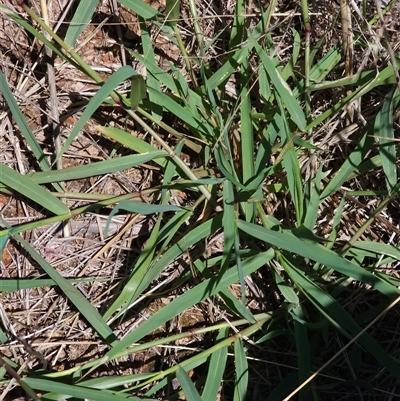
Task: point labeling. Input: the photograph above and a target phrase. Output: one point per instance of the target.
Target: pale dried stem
(348, 50)
(387, 41)
(54, 112)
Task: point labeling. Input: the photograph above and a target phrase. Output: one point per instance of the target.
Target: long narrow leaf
(354, 159)
(312, 206)
(22, 124)
(231, 64)
(80, 20)
(115, 79)
(242, 372)
(384, 77)
(172, 11)
(188, 387)
(342, 320)
(97, 168)
(197, 294)
(139, 7)
(383, 129)
(74, 295)
(130, 141)
(24, 185)
(148, 54)
(216, 369)
(69, 390)
(286, 95)
(228, 224)
(247, 136)
(291, 164)
(35, 33)
(23, 284)
(143, 272)
(318, 253)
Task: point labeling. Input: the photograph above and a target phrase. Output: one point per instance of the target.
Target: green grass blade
(240, 267)
(22, 124)
(383, 129)
(3, 242)
(80, 20)
(228, 224)
(145, 208)
(291, 164)
(10, 285)
(108, 382)
(384, 77)
(288, 71)
(97, 168)
(24, 185)
(74, 295)
(378, 248)
(172, 11)
(142, 208)
(188, 387)
(103, 383)
(130, 141)
(302, 347)
(337, 315)
(320, 70)
(129, 292)
(242, 372)
(152, 82)
(206, 289)
(369, 165)
(285, 289)
(264, 151)
(143, 273)
(264, 85)
(225, 166)
(319, 253)
(79, 392)
(366, 79)
(138, 91)
(282, 88)
(352, 162)
(201, 358)
(160, 76)
(35, 33)
(247, 136)
(311, 208)
(106, 89)
(142, 9)
(231, 64)
(231, 242)
(238, 25)
(223, 73)
(176, 109)
(216, 369)
(232, 304)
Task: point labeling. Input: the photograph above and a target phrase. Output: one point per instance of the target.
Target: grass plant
(292, 298)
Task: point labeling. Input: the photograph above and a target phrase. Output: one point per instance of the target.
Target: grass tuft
(199, 200)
